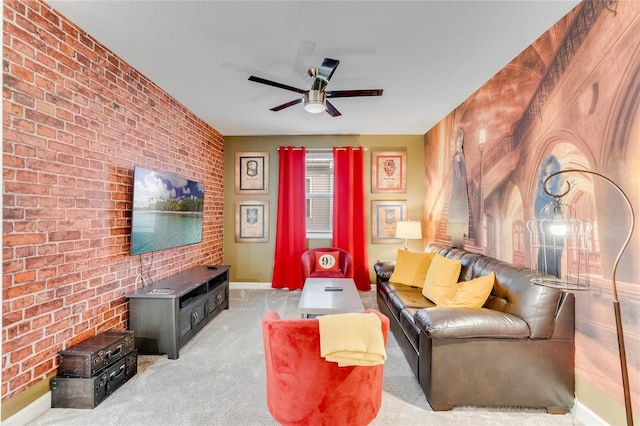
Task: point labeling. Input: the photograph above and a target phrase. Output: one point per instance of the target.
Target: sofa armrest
(384, 269)
(440, 323)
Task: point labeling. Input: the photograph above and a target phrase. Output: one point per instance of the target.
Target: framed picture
(252, 172)
(384, 216)
(252, 221)
(389, 172)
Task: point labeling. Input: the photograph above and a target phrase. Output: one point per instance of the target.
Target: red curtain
(349, 211)
(291, 237)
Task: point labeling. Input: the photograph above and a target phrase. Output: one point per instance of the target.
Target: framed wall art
(252, 221)
(389, 172)
(252, 172)
(384, 216)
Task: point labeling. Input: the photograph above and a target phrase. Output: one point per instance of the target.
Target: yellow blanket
(352, 339)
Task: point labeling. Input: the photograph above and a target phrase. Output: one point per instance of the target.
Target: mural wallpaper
(570, 100)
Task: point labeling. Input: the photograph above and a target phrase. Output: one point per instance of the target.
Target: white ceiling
(427, 56)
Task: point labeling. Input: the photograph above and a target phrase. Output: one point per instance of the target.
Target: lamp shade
(410, 229)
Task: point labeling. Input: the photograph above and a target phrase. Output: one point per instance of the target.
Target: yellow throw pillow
(411, 268)
(442, 278)
(471, 294)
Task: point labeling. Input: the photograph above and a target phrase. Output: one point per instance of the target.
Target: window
(319, 194)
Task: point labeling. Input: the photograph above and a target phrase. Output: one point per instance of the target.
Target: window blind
(319, 192)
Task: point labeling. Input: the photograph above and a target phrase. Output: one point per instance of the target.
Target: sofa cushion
(513, 293)
(469, 322)
(327, 261)
(467, 260)
(441, 279)
(393, 287)
(470, 294)
(413, 298)
(385, 288)
(411, 267)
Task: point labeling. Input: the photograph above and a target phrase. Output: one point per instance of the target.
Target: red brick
(44, 261)
(20, 354)
(23, 277)
(23, 252)
(44, 296)
(13, 161)
(11, 318)
(26, 176)
(41, 322)
(22, 239)
(12, 266)
(19, 342)
(26, 188)
(45, 367)
(46, 273)
(43, 308)
(20, 380)
(64, 236)
(8, 214)
(22, 302)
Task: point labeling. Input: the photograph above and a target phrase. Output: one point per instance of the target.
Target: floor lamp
(557, 230)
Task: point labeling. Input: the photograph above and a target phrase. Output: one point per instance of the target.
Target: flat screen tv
(167, 211)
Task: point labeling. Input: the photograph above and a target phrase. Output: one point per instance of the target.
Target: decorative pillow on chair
(327, 261)
(411, 268)
(442, 278)
(471, 294)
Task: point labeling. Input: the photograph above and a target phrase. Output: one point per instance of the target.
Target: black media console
(166, 314)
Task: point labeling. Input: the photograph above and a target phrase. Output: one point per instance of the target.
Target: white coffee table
(316, 300)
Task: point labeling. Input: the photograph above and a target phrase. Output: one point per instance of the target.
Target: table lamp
(410, 229)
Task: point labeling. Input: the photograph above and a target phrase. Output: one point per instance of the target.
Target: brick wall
(76, 120)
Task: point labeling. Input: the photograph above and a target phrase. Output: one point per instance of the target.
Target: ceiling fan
(315, 99)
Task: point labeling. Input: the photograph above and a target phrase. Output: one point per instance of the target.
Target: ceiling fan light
(314, 107)
(314, 101)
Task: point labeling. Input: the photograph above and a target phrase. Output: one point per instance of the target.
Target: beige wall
(253, 262)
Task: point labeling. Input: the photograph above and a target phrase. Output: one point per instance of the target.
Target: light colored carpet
(219, 379)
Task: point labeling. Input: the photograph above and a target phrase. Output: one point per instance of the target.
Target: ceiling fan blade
(331, 110)
(328, 68)
(352, 93)
(274, 84)
(287, 105)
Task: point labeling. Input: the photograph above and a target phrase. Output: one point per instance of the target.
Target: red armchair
(312, 265)
(305, 389)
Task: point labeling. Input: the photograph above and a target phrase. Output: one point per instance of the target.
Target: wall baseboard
(586, 416)
(42, 404)
(250, 285)
(263, 286)
(30, 412)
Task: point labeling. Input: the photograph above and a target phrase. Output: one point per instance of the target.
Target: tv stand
(166, 314)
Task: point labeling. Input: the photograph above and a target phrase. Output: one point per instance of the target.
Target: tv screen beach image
(167, 211)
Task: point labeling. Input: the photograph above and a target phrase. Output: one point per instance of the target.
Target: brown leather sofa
(517, 350)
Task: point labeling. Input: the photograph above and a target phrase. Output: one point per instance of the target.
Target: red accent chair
(305, 389)
(345, 264)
